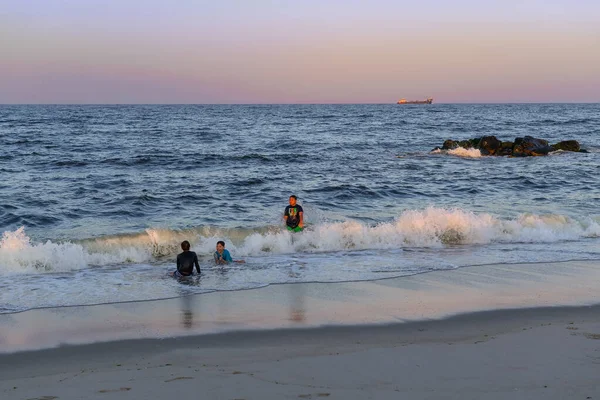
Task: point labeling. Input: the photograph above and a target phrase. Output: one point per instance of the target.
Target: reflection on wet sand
(297, 309)
(187, 315)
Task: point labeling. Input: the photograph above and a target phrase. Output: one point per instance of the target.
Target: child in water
(222, 255)
(186, 261)
(294, 215)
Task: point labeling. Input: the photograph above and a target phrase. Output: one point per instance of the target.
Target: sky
(298, 51)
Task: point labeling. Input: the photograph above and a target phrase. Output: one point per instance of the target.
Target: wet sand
(496, 332)
(548, 353)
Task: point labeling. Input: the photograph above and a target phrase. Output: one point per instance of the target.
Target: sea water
(95, 200)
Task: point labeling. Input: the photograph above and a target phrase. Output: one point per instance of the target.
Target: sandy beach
(264, 200)
(496, 332)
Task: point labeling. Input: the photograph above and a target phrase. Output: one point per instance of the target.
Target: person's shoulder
(225, 251)
(299, 207)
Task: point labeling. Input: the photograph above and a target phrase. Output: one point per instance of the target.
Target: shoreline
(496, 332)
(258, 287)
(430, 296)
(534, 353)
(501, 321)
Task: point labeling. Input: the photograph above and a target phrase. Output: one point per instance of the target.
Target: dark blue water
(94, 200)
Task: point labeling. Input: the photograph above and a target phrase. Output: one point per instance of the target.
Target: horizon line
(294, 104)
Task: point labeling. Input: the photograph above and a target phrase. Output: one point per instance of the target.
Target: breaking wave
(431, 228)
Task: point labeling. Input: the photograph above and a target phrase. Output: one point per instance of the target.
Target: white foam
(459, 152)
(19, 255)
(550, 228)
(466, 153)
(432, 227)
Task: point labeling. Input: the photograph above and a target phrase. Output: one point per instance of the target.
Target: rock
(489, 145)
(567, 145)
(475, 142)
(530, 146)
(506, 149)
(449, 145)
(521, 147)
(535, 147)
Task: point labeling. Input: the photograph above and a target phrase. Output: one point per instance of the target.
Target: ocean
(95, 200)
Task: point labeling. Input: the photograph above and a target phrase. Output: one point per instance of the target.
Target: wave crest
(432, 227)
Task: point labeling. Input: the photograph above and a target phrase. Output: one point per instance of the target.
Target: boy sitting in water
(222, 255)
(186, 261)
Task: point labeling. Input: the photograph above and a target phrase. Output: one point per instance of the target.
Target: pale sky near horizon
(109, 51)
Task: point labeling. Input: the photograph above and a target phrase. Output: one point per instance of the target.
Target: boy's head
(185, 245)
(293, 200)
(220, 245)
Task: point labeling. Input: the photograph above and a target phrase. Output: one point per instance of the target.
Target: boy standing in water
(222, 255)
(186, 261)
(294, 215)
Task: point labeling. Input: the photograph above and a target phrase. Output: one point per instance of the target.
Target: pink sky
(298, 52)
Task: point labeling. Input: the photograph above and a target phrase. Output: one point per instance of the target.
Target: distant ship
(404, 101)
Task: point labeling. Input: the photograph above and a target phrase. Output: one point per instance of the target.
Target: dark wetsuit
(186, 262)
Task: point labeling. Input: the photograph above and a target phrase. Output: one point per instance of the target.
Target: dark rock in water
(506, 149)
(449, 145)
(530, 146)
(536, 147)
(522, 147)
(489, 145)
(517, 150)
(567, 145)
(467, 144)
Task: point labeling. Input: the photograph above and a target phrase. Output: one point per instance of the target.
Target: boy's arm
(301, 223)
(196, 263)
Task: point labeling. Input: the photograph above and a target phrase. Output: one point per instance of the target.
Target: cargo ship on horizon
(429, 100)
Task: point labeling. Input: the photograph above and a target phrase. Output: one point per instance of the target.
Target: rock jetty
(521, 147)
